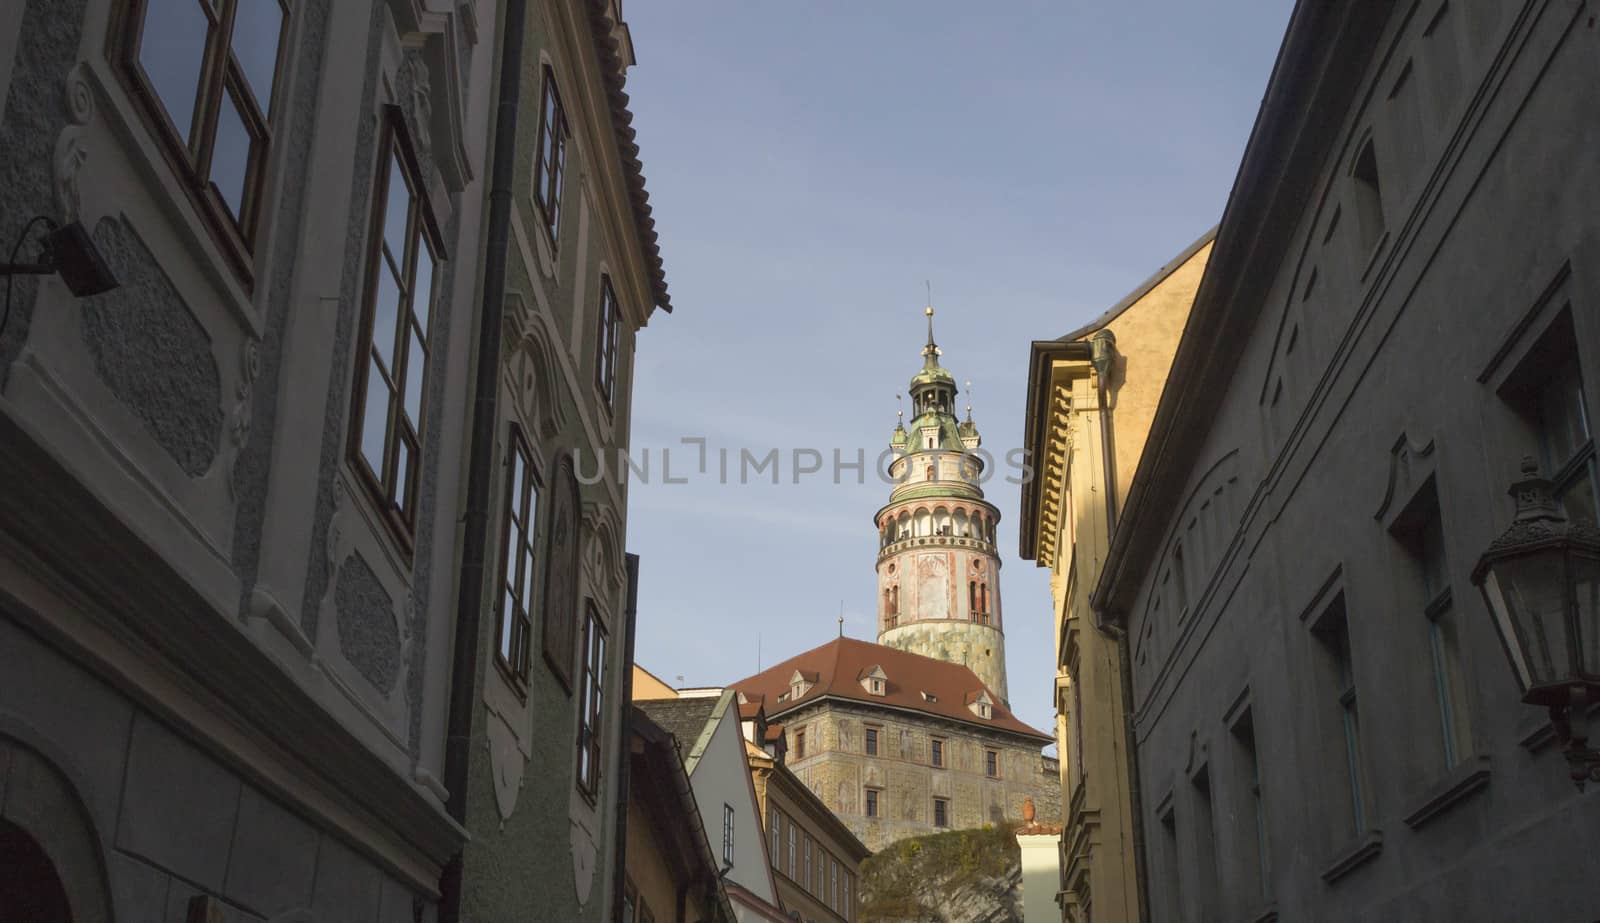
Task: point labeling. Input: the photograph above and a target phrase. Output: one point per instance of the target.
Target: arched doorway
(30, 889)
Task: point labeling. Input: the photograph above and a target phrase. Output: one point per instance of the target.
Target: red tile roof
(837, 664)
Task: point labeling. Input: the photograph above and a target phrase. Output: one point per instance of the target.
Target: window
(1206, 844)
(1334, 634)
(1565, 444)
(387, 421)
(1255, 838)
(844, 902)
(205, 73)
(800, 744)
(936, 752)
(792, 867)
(833, 883)
(605, 360)
(1369, 197)
(772, 834)
(875, 686)
(593, 684)
(807, 880)
(872, 802)
(517, 561)
(550, 165)
(727, 834)
(872, 741)
(1443, 647)
(991, 764)
(941, 812)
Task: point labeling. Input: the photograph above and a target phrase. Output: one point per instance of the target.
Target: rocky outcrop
(965, 876)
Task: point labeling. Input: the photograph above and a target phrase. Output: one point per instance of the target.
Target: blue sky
(811, 165)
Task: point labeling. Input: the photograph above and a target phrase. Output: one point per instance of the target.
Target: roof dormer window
(874, 680)
(981, 704)
(875, 686)
(929, 697)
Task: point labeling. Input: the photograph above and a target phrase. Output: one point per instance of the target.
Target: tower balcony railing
(935, 541)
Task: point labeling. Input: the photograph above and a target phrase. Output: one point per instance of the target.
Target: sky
(814, 167)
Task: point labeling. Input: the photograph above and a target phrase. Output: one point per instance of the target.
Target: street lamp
(1541, 582)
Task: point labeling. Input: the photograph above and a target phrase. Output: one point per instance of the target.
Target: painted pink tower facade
(938, 568)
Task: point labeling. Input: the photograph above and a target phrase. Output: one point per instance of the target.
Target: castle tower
(938, 569)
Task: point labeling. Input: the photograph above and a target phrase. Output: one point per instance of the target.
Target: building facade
(227, 583)
(1091, 397)
(793, 813)
(574, 275)
(1401, 304)
(671, 867)
(898, 745)
(938, 567)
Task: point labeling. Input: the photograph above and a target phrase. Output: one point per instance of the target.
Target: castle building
(913, 734)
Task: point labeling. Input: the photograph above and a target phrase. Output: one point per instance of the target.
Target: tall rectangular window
(1206, 844)
(387, 422)
(833, 883)
(872, 802)
(517, 560)
(807, 879)
(1444, 653)
(800, 744)
(772, 834)
(1566, 446)
(792, 867)
(205, 72)
(589, 702)
(605, 360)
(550, 164)
(844, 902)
(941, 812)
(872, 741)
(1334, 634)
(991, 764)
(936, 752)
(1254, 839)
(727, 834)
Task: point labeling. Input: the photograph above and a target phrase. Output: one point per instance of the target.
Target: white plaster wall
(722, 776)
(1041, 872)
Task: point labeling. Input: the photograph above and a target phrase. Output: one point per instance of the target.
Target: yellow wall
(647, 686)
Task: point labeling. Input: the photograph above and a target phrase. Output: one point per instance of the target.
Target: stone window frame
(549, 180)
(522, 496)
(936, 752)
(871, 739)
(991, 763)
(937, 804)
(396, 156)
(591, 696)
(605, 359)
(872, 802)
(220, 75)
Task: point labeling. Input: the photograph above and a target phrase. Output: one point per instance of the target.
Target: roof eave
(1041, 353)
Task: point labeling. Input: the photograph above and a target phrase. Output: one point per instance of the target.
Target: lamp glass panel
(1534, 592)
(1586, 602)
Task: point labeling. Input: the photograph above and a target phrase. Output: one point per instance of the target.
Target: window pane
(385, 315)
(397, 211)
(416, 366)
(507, 620)
(423, 287)
(1577, 498)
(375, 419)
(257, 27)
(171, 51)
(513, 577)
(230, 157)
(404, 466)
(527, 571)
(514, 487)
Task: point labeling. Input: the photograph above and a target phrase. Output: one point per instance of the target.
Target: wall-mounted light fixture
(66, 250)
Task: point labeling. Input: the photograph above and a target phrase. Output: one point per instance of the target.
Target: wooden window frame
(605, 359)
(386, 488)
(522, 501)
(549, 181)
(220, 73)
(590, 699)
(727, 833)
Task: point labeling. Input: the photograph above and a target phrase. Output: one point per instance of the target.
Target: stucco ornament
(421, 103)
(71, 153)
